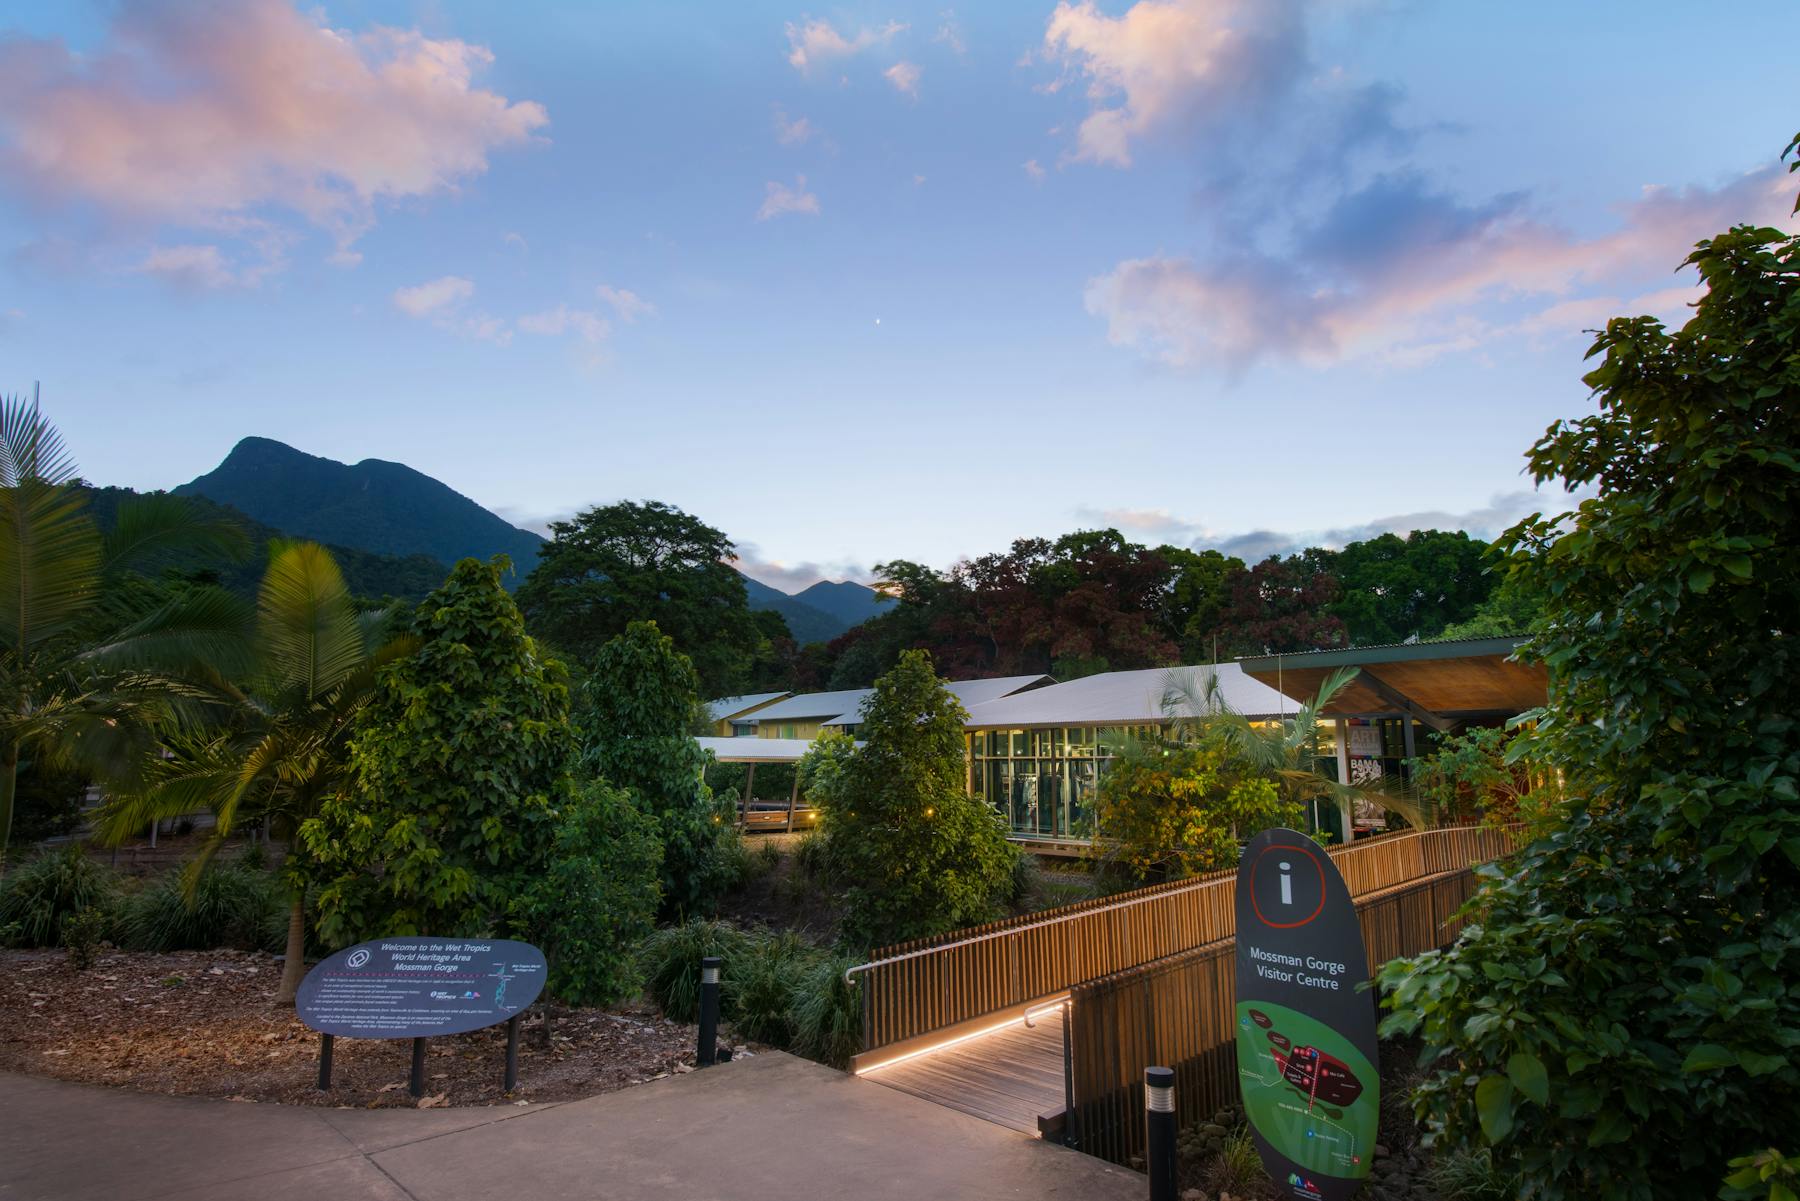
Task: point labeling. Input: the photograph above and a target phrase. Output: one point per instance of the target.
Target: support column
(793, 799)
(1343, 761)
(749, 791)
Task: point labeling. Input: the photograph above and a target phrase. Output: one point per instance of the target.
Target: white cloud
(422, 300)
(629, 306)
(794, 132)
(515, 240)
(213, 116)
(949, 33)
(1033, 169)
(1166, 59)
(816, 41)
(792, 577)
(905, 78)
(194, 268)
(778, 198)
(588, 325)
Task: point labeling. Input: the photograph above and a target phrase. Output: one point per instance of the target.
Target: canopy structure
(1440, 684)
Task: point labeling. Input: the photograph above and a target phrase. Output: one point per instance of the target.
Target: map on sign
(418, 987)
(1304, 1088)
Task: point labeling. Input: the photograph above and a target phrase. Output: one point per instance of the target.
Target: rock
(1214, 1129)
(1193, 1194)
(1381, 1151)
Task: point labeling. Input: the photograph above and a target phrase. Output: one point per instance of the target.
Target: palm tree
(280, 744)
(1283, 751)
(80, 679)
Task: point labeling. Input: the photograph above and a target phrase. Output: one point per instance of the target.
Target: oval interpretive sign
(419, 987)
(1306, 1048)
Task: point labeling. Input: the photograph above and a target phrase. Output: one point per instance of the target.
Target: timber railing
(929, 989)
(1180, 1012)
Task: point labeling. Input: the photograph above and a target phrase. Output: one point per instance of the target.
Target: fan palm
(80, 674)
(280, 745)
(1285, 752)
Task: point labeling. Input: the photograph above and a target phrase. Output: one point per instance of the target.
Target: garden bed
(205, 1023)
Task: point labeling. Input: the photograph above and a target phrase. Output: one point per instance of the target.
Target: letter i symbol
(1287, 885)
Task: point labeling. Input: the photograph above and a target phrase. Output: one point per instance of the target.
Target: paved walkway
(769, 1128)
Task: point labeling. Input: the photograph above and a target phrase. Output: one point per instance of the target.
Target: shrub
(827, 1012)
(670, 962)
(596, 900)
(1238, 1168)
(230, 906)
(1027, 881)
(1470, 1175)
(42, 895)
(812, 856)
(84, 933)
(759, 989)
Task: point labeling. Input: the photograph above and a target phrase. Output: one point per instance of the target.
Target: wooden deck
(1009, 1077)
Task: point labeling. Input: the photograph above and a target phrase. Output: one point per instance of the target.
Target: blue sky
(856, 282)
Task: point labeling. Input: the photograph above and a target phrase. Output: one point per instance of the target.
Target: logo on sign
(357, 958)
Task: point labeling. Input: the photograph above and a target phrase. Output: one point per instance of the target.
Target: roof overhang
(1442, 684)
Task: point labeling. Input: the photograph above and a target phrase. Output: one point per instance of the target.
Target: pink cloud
(1408, 275)
(201, 114)
(778, 198)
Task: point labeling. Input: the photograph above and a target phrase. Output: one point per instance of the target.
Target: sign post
(1306, 1049)
(418, 987)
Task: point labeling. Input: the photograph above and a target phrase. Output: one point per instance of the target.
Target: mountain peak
(375, 505)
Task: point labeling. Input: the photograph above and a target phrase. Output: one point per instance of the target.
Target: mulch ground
(206, 1023)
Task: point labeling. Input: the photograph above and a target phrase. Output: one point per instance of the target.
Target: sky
(876, 280)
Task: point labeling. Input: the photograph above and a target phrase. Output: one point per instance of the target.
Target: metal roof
(757, 750)
(731, 706)
(815, 705)
(1129, 697)
(969, 692)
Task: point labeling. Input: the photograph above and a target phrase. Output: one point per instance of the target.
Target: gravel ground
(205, 1023)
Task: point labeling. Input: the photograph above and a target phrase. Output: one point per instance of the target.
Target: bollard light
(708, 1051)
(1159, 1120)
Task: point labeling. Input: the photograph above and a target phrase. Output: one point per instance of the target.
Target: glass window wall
(1043, 780)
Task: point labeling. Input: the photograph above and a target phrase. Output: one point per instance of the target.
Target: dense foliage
(1469, 776)
(457, 767)
(919, 854)
(40, 896)
(636, 706)
(613, 565)
(233, 905)
(1623, 1021)
(1169, 809)
(596, 898)
(1095, 601)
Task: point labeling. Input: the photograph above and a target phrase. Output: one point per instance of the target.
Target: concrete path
(770, 1128)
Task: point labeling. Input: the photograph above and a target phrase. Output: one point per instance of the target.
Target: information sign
(420, 987)
(1306, 1048)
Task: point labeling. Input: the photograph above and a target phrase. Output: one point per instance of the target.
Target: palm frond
(204, 633)
(49, 562)
(30, 448)
(306, 622)
(149, 528)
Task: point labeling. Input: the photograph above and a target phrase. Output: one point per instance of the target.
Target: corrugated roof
(969, 692)
(731, 706)
(1126, 697)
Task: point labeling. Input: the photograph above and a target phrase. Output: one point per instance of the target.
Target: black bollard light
(1159, 1116)
(709, 1010)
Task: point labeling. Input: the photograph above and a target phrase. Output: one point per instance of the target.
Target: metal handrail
(935, 948)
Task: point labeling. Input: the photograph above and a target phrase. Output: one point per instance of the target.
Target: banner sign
(419, 987)
(1306, 1047)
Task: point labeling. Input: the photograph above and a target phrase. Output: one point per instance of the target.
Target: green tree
(922, 856)
(1624, 1005)
(458, 766)
(595, 900)
(1512, 608)
(79, 682)
(277, 740)
(1394, 588)
(636, 708)
(616, 564)
(1197, 596)
(1167, 809)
